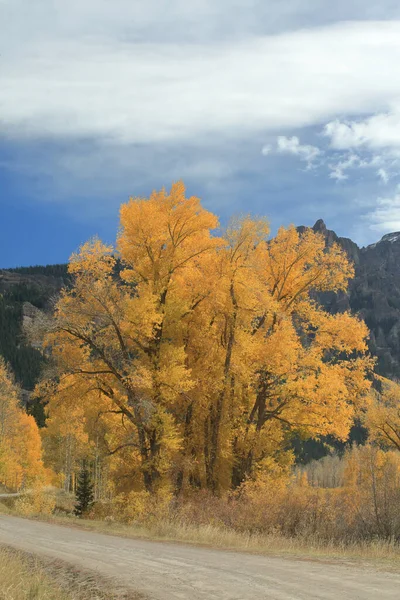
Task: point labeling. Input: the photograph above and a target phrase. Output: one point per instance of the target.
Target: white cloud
(340, 165)
(337, 173)
(376, 138)
(267, 149)
(377, 131)
(306, 152)
(383, 174)
(338, 169)
(386, 216)
(108, 83)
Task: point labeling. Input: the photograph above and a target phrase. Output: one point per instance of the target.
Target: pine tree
(84, 493)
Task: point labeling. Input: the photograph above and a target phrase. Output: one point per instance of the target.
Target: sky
(289, 110)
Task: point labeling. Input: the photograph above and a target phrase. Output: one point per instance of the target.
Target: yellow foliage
(383, 415)
(192, 361)
(20, 444)
(36, 502)
(142, 507)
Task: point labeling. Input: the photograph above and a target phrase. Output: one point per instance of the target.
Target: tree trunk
(148, 446)
(216, 412)
(244, 463)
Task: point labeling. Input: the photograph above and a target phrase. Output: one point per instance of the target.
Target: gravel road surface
(164, 571)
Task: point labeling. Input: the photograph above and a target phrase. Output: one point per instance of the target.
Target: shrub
(36, 502)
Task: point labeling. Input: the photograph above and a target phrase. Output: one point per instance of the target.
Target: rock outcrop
(374, 294)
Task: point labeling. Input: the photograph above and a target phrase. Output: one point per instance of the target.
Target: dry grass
(24, 577)
(4, 509)
(21, 581)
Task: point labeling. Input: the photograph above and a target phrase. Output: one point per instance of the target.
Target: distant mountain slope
(21, 291)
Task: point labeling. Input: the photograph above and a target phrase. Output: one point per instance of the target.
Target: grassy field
(23, 580)
(25, 577)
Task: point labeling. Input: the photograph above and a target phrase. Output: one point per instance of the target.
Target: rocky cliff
(374, 294)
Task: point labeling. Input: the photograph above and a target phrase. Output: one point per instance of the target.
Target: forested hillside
(22, 290)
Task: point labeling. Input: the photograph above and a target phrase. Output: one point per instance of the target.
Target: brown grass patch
(24, 576)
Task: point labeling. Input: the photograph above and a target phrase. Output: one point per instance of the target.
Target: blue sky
(285, 109)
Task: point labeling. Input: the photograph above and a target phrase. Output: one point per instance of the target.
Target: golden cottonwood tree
(210, 351)
(383, 415)
(309, 366)
(20, 443)
(65, 439)
(268, 358)
(121, 335)
(83, 426)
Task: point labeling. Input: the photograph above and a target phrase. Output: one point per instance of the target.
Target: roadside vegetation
(338, 507)
(25, 577)
(23, 580)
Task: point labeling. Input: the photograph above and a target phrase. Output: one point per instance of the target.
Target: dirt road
(165, 571)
